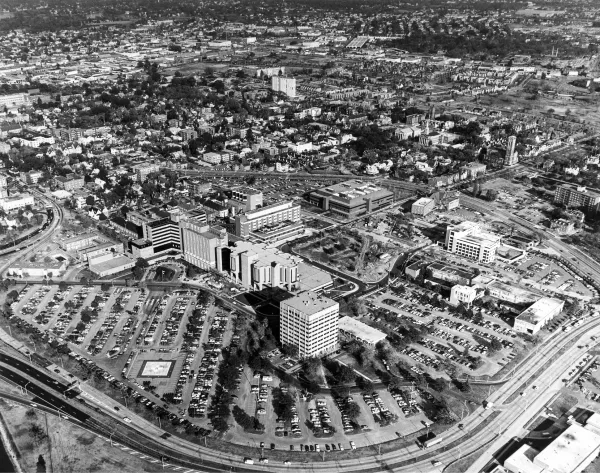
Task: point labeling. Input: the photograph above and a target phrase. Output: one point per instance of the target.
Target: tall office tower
(310, 321)
(511, 157)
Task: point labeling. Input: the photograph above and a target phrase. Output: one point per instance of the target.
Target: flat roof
(512, 289)
(310, 303)
(354, 189)
(538, 311)
(109, 264)
(569, 449)
(361, 330)
(269, 209)
(451, 269)
(312, 278)
(423, 201)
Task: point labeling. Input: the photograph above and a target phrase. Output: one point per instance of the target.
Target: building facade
(310, 322)
(270, 223)
(423, 206)
(284, 85)
(580, 197)
(467, 239)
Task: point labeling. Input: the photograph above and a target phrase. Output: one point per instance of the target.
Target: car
(262, 444)
(436, 462)
(352, 445)
(263, 460)
(127, 419)
(327, 447)
(317, 447)
(286, 462)
(534, 388)
(291, 447)
(333, 447)
(312, 448)
(248, 461)
(272, 446)
(341, 447)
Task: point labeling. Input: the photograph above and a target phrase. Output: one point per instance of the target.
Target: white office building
(469, 240)
(310, 321)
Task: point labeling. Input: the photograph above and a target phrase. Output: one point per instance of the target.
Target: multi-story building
(13, 100)
(473, 170)
(351, 198)
(164, 234)
(270, 223)
(3, 186)
(187, 134)
(309, 321)
(16, 202)
(460, 294)
(511, 157)
(70, 182)
(258, 266)
(285, 85)
(203, 245)
(31, 177)
(573, 196)
(422, 206)
(245, 198)
(469, 240)
(142, 170)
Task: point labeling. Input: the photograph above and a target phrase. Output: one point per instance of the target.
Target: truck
(432, 441)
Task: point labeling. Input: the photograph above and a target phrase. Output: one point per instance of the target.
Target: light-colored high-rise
(310, 321)
(511, 157)
(285, 85)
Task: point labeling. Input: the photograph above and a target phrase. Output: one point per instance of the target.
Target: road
(409, 458)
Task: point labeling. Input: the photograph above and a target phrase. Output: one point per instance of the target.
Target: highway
(409, 458)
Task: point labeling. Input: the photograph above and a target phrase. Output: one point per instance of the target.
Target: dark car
(272, 446)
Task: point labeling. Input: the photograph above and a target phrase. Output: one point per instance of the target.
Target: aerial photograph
(305, 236)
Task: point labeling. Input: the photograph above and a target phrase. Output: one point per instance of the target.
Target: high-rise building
(258, 266)
(285, 85)
(202, 245)
(469, 240)
(573, 196)
(164, 234)
(3, 186)
(511, 158)
(310, 321)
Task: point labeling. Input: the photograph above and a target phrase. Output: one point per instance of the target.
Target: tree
(40, 466)
(12, 296)
(62, 286)
(352, 410)
(105, 286)
(140, 267)
(290, 350)
(219, 424)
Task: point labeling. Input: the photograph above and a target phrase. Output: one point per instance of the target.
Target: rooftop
(354, 189)
(310, 303)
(566, 453)
(540, 309)
(361, 330)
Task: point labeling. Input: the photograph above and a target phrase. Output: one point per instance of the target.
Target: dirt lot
(64, 447)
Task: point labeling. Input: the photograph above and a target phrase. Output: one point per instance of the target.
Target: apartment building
(285, 85)
(310, 322)
(143, 170)
(469, 240)
(577, 196)
(245, 198)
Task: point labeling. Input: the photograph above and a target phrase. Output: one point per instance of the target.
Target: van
(248, 461)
